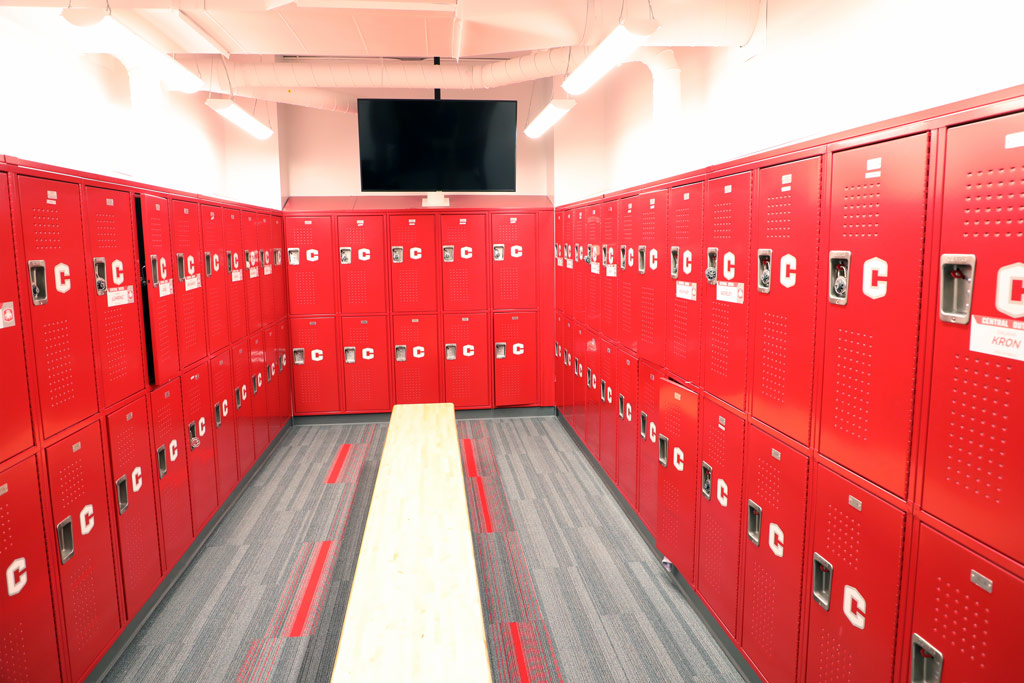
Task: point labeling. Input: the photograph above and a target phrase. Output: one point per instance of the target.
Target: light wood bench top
(414, 612)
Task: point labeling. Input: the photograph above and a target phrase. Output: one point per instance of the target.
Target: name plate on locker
(731, 292)
(568, 263)
(193, 282)
(166, 289)
(120, 296)
(611, 271)
(236, 276)
(267, 270)
(997, 337)
(560, 261)
(595, 268)
(254, 272)
(686, 290)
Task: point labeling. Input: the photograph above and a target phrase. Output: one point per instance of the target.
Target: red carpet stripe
(339, 461)
(467, 446)
(524, 674)
(312, 586)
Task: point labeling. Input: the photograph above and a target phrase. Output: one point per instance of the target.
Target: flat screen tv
(437, 145)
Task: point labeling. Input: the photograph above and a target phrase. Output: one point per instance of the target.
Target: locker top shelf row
(395, 203)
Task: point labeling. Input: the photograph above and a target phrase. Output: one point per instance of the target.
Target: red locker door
(417, 371)
(973, 471)
(367, 357)
(413, 263)
(609, 327)
(117, 322)
(515, 359)
(284, 373)
(188, 295)
(559, 364)
(315, 365)
(60, 284)
(268, 278)
(310, 266)
(719, 509)
(775, 493)
(197, 404)
(628, 433)
(608, 419)
(648, 398)
(871, 325)
(241, 379)
(568, 372)
(224, 420)
(628, 292)
(727, 243)
(581, 267)
(273, 380)
(27, 630)
(158, 266)
(15, 420)
(134, 489)
(579, 380)
(362, 267)
(592, 429)
(172, 470)
(260, 392)
(514, 267)
(678, 481)
(652, 276)
(785, 263)
(559, 261)
(216, 265)
(966, 619)
(463, 262)
(467, 363)
(84, 552)
(250, 251)
(684, 230)
(856, 553)
(236, 274)
(568, 264)
(592, 277)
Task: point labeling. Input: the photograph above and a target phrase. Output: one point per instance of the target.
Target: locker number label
(686, 290)
(166, 288)
(17, 576)
(997, 337)
(730, 292)
(7, 314)
(193, 282)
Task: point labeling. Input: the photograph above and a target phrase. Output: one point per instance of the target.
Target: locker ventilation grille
(763, 625)
(768, 485)
(649, 313)
(681, 336)
(834, 659)
(508, 284)
(6, 528)
(994, 203)
(71, 488)
(772, 378)
(683, 222)
(715, 577)
(861, 210)
(165, 332)
(46, 229)
(625, 300)
(963, 620)
(854, 363)
(843, 538)
(780, 215)
(979, 420)
(104, 228)
(194, 327)
(721, 217)
(81, 627)
(721, 337)
(305, 288)
(137, 557)
(116, 324)
(58, 362)
(14, 651)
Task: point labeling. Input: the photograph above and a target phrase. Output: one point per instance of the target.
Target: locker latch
(122, 494)
(604, 389)
(270, 371)
(622, 256)
(265, 257)
(956, 287)
(293, 257)
(231, 266)
(754, 522)
(181, 267)
(400, 353)
(499, 252)
(448, 253)
(217, 417)
(99, 268)
(396, 254)
(154, 272)
(299, 356)
(926, 666)
(238, 398)
(350, 354)
(822, 581)
(643, 426)
(764, 270)
(345, 255)
(711, 273)
(66, 540)
(209, 265)
(838, 277)
(622, 407)
(37, 279)
(705, 480)
(277, 256)
(663, 450)
(161, 460)
(673, 254)
(255, 385)
(499, 350)
(641, 265)
(450, 351)
(604, 254)
(193, 436)
(590, 251)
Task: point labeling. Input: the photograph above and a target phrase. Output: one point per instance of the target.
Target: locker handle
(281, 361)
(663, 450)
(37, 280)
(193, 436)
(99, 268)
(238, 398)
(499, 252)
(299, 356)
(764, 270)
(400, 353)
(838, 277)
(448, 253)
(705, 480)
(161, 460)
(397, 254)
(956, 287)
(450, 351)
(66, 540)
(754, 522)
(277, 256)
(345, 255)
(926, 666)
(642, 259)
(122, 494)
(622, 406)
(674, 262)
(622, 256)
(643, 426)
(217, 417)
(248, 263)
(181, 267)
(711, 273)
(590, 379)
(604, 254)
(231, 268)
(499, 350)
(255, 386)
(154, 273)
(293, 257)
(270, 374)
(350, 354)
(822, 587)
(209, 264)
(604, 389)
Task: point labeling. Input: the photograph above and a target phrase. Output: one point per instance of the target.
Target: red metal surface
(684, 259)
(592, 276)
(366, 360)
(310, 260)
(272, 383)
(169, 454)
(197, 404)
(283, 351)
(186, 241)
(678, 476)
(572, 347)
(608, 420)
(652, 276)
(627, 434)
(278, 259)
(581, 266)
(250, 251)
(648, 398)
(242, 382)
(464, 262)
(417, 360)
(262, 400)
(568, 264)
(215, 288)
(236, 274)
(414, 263)
(268, 276)
(609, 327)
(560, 362)
(628, 292)
(515, 375)
(467, 360)
(159, 285)
(224, 421)
(591, 360)
(315, 365)
(579, 384)
(560, 261)
(362, 269)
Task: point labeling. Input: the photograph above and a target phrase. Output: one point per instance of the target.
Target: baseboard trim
(363, 418)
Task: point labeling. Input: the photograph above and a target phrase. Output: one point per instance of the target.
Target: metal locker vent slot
(642, 254)
(663, 450)
(400, 353)
(822, 586)
(838, 277)
(345, 255)
(66, 540)
(99, 268)
(350, 354)
(397, 254)
(122, 494)
(299, 356)
(711, 272)
(956, 287)
(449, 352)
(161, 460)
(293, 257)
(926, 666)
(705, 480)
(499, 252)
(448, 253)
(37, 280)
(764, 270)
(754, 522)
(499, 350)
(673, 254)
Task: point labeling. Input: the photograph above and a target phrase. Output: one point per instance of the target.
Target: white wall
(824, 67)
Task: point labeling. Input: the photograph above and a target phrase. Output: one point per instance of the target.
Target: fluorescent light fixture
(610, 52)
(202, 35)
(101, 33)
(226, 107)
(548, 117)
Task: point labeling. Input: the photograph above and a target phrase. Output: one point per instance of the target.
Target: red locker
(188, 295)
(197, 404)
(280, 296)
(684, 230)
(59, 284)
(284, 374)
(608, 419)
(417, 371)
(592, 427)
(413, 263)
(515, 359)
(134, 489)
(578, 408)
(724, 314)
(117, 323)
(592, 230)
(856, 552)
(261, 400)
(678, 481)
(775, 491)
(250, 250)
(273, 378)
(310, 269)
(15, 419)
(172, 471)
(224, 421)
(785, 263)
(463, 262)
(581, 267)
(366, 366)
(652, 270)
(84, 552)
(315, 365)
(559, 261)
(565, 283)
(27, 628)
(966, 615)
(628, 433)
(268, 278)
(559, 363)
(361, 254)
(871, 325)
(648, 398)
(241, 380)
(628, 290)
(158, 266)
(514, 266)
(216, 267)
(609, 327)
(719, 509)
(973, 472)
(236, 266)
(467, 362)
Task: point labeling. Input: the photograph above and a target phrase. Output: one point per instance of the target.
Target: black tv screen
(437, 145)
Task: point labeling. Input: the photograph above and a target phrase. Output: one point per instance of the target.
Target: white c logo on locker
(678, 458)
(418, 352)
(729, 265)
(723, 493)
(312, 255)
(468, 350)
(516, 251)
(173, 447)
(687, 261)
(652, 258)
(86, 519)
(190, 262)
(224, 408)
(518, 349)
(62, 278)
(776, 539)
(368, 354)
(466, 252)
(17, 576)
(316, 355)
(787, 271)
(876, 275)
(117, 272)
(855, 607)
(363, 254)
(415, 253)
(137, 479)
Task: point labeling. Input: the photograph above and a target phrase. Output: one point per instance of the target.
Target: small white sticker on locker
(462, 221)
(873, 174)
(874, 164)
(307, 222)
(787, 179)
(51, 194)
(360, 223)
(728, 189)
(412, 221)
(652, 203)
(513, 220)
(110, 202)
(786, 188)
(686, 196)
(1014, 140)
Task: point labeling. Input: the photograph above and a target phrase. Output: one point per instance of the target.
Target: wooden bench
(414, 613)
